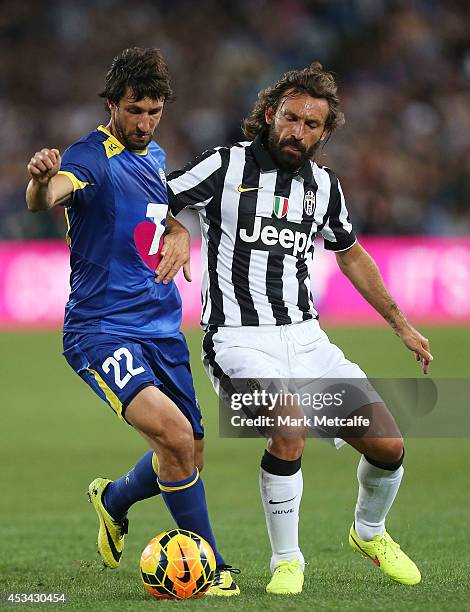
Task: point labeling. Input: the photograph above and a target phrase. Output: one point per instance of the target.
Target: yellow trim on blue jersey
(77, 183)
(112, 145)
(112, 398)
(155, 463)
(67, 233)
(186, 486)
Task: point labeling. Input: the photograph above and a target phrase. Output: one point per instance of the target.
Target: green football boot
(288, 579)
(387, 556)
(111, 533)
(224, 585)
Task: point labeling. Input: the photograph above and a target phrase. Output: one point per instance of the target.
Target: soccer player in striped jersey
(122, 326)
(261, 202)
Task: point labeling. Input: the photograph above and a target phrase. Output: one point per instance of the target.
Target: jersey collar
(266, 162)
(119, 144)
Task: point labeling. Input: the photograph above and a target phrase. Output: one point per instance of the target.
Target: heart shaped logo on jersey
(144, 235)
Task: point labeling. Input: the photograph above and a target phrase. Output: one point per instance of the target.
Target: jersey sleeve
(83, 165)
(337, 230)
(160, 156)
(162, 159)
(195, 185)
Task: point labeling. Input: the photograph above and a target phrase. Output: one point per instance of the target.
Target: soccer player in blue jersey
(122, 326)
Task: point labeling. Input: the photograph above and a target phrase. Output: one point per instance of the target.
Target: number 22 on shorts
(115, 363)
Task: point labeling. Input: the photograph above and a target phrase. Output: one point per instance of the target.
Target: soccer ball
(177, 564)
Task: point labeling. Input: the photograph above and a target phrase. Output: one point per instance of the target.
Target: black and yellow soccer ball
(177, 564)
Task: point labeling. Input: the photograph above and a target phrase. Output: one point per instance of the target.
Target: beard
(285, 159)
(130, 140)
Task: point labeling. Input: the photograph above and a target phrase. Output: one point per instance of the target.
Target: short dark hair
(313, 81)
(143, 70)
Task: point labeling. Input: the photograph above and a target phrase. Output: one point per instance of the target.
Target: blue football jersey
(116, 219)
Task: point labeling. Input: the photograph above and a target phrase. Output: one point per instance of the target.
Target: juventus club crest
(280, 206)
(309, 202)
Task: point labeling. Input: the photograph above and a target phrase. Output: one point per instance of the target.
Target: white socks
(281, 497)
(377, 490)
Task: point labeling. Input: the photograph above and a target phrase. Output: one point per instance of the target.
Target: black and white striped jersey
(258, 225)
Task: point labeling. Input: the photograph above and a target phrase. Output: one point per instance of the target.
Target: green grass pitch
(56, 436)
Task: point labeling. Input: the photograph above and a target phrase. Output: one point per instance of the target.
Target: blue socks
(140, 483)
(186, 500)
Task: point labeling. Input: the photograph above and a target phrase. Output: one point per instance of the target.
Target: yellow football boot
(111, 533)
(224, 585)
(288, 579)
(387, 556)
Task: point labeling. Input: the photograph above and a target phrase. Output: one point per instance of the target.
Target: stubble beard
(129, 144)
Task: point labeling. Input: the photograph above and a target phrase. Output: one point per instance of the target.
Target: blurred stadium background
(404, 160)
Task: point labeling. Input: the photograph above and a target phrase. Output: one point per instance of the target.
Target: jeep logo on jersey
(280, 206)
(162, 175)
(309, 203)
(284, 237)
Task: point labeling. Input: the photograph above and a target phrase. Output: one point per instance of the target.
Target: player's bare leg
(166, 429)
(380, 472)
(170, 434)
(199, 454)
(112, 500)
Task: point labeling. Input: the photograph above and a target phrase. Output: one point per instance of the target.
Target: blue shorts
(117, 368)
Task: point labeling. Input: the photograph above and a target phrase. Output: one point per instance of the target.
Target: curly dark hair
(143, 70)
(313, 81)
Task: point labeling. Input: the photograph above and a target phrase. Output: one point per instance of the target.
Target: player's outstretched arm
(46, 188)
(175, 252)
(364, 274)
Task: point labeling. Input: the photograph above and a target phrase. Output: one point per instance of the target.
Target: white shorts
(286, 352)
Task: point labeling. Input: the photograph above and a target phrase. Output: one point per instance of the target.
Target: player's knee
(179, 441)
(199, 454)
(388, 450)
(174, 437)
(394, 448)
(199, 462)
(288, 449)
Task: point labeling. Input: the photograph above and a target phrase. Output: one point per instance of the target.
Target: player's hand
(44, 165)
(175, 253)
(417, 343)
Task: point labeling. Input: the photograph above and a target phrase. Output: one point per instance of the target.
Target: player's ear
(268, 115)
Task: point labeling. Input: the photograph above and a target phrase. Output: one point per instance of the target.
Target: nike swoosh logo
(116, 554)
(284, 501)
(186, 573)
(376, 560)
(242, 189)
